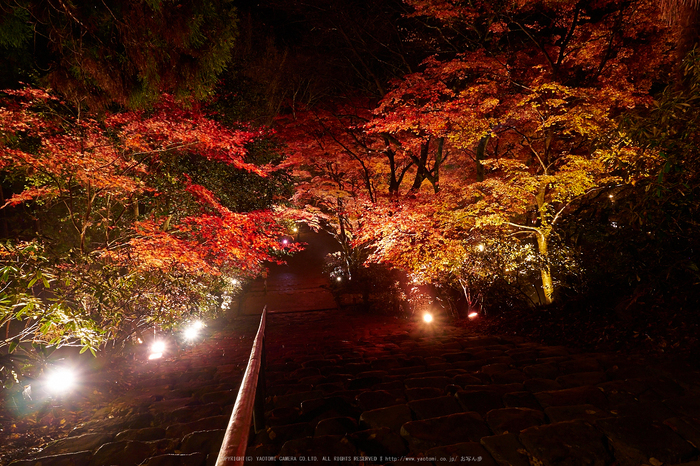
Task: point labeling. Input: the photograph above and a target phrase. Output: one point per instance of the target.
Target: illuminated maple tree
(538, 93)
(502, 131)
(334, 171)
(127, 241)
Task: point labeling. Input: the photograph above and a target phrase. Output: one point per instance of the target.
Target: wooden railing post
(250, 404)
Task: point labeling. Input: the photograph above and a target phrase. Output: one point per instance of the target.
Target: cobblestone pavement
(346, 389)
(298, 285)
(363, 389)
(174, 413)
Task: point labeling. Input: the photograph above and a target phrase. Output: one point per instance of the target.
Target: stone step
(375, 390)
(174, 413)
(506, 402)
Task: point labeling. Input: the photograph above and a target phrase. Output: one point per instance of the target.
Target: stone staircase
(174, 414)
(353, 390)
(348, 389)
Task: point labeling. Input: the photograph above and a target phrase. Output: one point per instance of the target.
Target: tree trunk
(545, 272)
(689, 25)
(343, 239)
(421, 170)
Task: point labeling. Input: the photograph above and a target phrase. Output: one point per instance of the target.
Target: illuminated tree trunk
(344, 240)
(547, 285)
(542, 234)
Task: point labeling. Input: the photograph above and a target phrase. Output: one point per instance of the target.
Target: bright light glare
(191, 333)
(480, 247)
(427, 317)
(158, 347)
(295, 229)
(472, 315)
(60, 380)
(339, 278)
(284, 241)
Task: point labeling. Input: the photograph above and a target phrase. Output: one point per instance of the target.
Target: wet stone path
(173, 414)
(350, 389)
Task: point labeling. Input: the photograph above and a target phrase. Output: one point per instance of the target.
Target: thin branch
(539, 46)
(569, 34)
(559, 212)
(525, 227)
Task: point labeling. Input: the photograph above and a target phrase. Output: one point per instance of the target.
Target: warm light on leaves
(135, 244)
(490, 141)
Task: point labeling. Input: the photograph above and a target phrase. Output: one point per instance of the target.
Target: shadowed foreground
(377, 389)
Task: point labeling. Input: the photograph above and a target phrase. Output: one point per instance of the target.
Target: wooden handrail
(249, 404)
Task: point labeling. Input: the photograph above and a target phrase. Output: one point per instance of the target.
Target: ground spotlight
(157, 349)
(472, 315)
(60, 380)
(427, 317)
